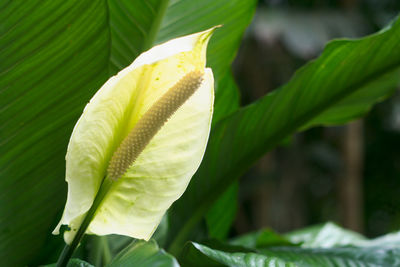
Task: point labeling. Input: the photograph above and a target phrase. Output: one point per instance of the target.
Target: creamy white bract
(137, 201)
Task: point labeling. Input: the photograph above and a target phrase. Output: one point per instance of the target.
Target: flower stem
(69, 249)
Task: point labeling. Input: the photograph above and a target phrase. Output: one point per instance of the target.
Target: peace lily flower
(143, 134)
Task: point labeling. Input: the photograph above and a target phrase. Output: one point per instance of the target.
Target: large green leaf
(142, 253)
(194, 254)
(54, 55)
(199, 255)
(342, 84)
(44, 47)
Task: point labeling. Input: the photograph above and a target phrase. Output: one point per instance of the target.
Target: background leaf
(342, 84)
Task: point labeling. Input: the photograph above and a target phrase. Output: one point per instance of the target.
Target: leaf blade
(37, 75)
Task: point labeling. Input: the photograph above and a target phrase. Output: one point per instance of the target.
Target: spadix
(151, 122)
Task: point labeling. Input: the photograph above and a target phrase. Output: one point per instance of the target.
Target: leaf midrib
(155, 26)
(150, 39)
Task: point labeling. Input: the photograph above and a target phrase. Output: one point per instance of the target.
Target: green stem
(69, 249)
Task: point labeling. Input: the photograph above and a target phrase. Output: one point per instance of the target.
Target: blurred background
(350, 174)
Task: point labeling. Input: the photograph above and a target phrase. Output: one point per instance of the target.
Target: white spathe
(137, 201)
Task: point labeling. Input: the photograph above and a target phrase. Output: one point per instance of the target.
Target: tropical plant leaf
(42, 91)
(54, 55)
(342, 84)
(194, 254)
(142, 253)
